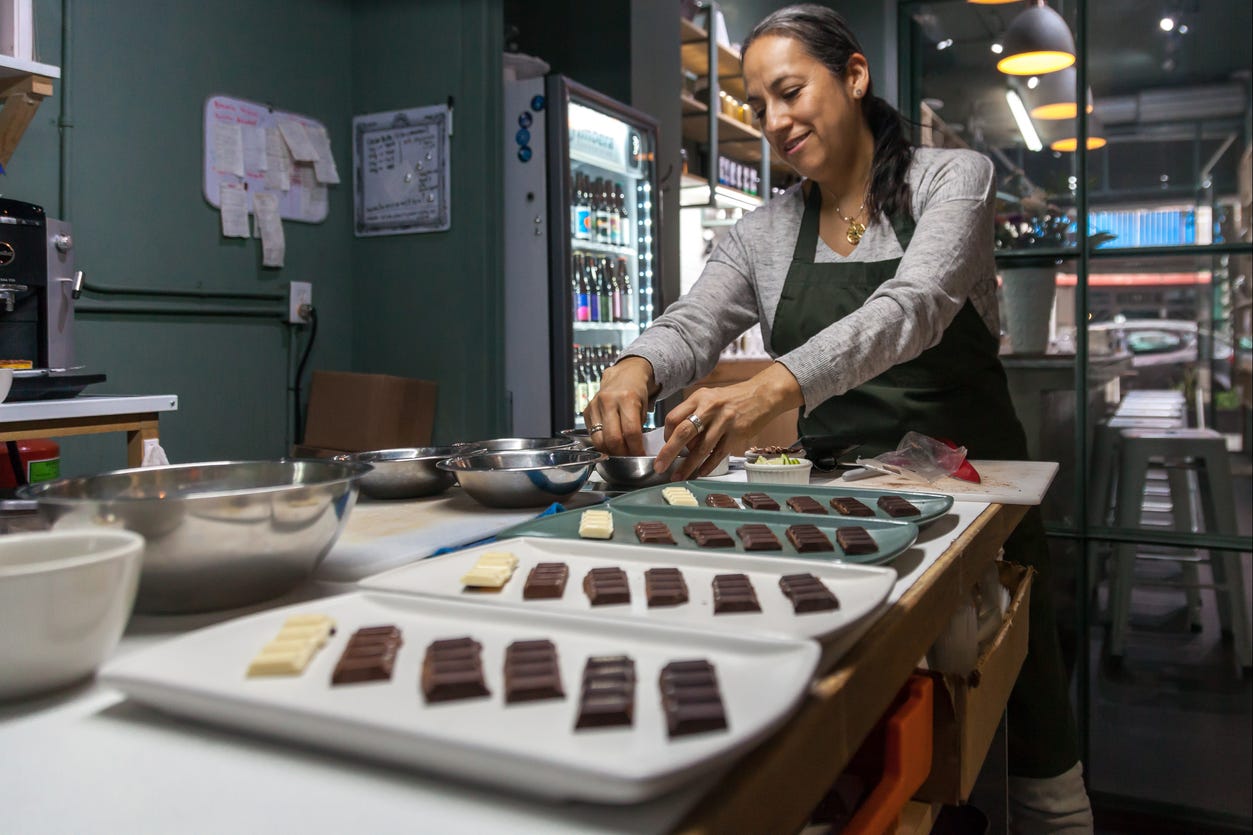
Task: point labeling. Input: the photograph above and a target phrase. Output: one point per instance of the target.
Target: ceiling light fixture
(997, 48)
(1183, 28)
(1069, 142)
(1037, 41)
(1055, 96)
(1025, 127)
(1166, 24)
(1033, 82)
(944, 44)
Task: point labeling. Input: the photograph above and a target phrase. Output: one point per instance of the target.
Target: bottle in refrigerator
(624, 220)
(606, 292)
(583, 302)
(602, 211)
(624, 280)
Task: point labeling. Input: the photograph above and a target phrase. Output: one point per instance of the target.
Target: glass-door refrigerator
(581, 226)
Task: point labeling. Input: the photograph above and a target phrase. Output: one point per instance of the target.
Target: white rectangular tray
(861, 590)
(529, 747)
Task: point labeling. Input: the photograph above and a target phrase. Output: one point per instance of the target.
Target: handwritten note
(400, 172)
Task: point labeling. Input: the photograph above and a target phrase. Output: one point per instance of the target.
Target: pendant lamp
(1054, 97)
(1038, 41)
(1065, 139)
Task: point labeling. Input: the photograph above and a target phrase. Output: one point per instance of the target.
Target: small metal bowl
(514, 445)
(404, 473)
(631, 472)
(581, 439)
(522, 478)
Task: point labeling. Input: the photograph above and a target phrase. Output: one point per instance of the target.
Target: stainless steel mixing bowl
(523, 478)
(219, 534)
(515, 444)
(404, 473)
(631, 472)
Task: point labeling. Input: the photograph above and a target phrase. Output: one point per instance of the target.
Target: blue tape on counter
(552, 509)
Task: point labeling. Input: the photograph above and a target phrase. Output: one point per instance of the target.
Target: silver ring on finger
(594, 428)
(696, 422)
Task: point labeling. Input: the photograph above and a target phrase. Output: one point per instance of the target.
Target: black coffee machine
(38, 285)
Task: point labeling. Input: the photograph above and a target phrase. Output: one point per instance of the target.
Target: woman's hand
(726, 418)
(615, 417)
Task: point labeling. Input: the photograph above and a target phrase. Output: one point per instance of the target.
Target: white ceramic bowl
(779, 473)
(65, 597)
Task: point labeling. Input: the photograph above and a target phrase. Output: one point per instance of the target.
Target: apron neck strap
(807, 238)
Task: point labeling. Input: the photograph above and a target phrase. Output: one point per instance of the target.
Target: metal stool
(1185, 453)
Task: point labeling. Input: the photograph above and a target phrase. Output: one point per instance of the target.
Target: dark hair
(825, 35)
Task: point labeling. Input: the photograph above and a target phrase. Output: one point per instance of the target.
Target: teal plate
(930, 505)
(891, 537)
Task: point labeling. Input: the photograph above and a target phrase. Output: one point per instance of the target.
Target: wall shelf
(23, 87)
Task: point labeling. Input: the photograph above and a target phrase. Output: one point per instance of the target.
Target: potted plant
(1028, 286)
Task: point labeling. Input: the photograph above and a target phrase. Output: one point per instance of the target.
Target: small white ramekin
(779, 473)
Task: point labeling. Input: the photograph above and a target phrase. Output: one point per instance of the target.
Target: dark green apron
(955, 389)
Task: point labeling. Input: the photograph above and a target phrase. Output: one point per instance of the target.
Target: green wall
(135, 79)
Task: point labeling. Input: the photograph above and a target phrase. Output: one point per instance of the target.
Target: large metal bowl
(631, 472)
(515, 444)
(404, 473)
(219, 534)
(523, 478)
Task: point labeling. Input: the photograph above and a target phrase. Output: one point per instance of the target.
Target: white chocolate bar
(492, 570)
(679, 496)
(286, 662)
(596, 524)
(317, 634)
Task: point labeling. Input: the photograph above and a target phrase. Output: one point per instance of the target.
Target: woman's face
(810, 116)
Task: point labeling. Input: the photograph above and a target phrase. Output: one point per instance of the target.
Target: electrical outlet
(299, 302)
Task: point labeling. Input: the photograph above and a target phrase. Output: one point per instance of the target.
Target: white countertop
(87, 405)
(85, 760)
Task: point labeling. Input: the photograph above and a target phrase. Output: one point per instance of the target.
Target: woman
(875, 288)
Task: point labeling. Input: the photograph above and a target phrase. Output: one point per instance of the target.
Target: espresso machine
(38, 285)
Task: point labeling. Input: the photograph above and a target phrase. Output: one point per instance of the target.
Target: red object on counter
(40, 461)
(966, 472)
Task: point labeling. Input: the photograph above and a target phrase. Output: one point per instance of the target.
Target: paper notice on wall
(228, 148)
(313, 192)
(324, 165)
(254, 148)
(297, 139)
(234, 207)
(278, 161)
(273, 244)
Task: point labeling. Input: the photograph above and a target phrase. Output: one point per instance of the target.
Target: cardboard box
(968, 709)
(360, 412)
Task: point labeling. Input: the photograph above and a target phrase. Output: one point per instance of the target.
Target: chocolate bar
(546, 581)
(606, 586)
(848, 506)
(708, 535)
(721, 500)
(896, 506)
(654, 533)
(807, 538)
(453, 669)
(369, 656)
(856, 540)
(758, 537)
(805, 504)
(759, 501)
(807, 593)
(607, 696)
(291, 650)
(734, 593)
(531, 672)
(690, 698)
(665, 587)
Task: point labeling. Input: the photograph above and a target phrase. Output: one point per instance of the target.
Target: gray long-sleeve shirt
(949, 260)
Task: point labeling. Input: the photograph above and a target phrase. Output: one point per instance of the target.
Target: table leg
(135, 438)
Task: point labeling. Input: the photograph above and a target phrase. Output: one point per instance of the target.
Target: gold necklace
(855, 229)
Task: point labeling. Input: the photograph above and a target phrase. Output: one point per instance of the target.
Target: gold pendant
(855, 231)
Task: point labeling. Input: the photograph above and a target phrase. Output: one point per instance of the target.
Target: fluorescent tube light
(1025, 127)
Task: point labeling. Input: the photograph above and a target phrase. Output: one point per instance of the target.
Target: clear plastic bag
(918, 456)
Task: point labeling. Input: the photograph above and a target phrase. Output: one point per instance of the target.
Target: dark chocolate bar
(708, 535)
(606, 586)
(856, 540)
(805, 504)
(531, 672)
(896, 506)
(607, 696)
(806, 538)
(734, 593)
(654, 533)
(547, 580)
(665, 587)
(369, 656)
(759, 501)
(848, 506)
(758, 537)
(452, 669)
(807, 593)
(721, 500)
(690, 698)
